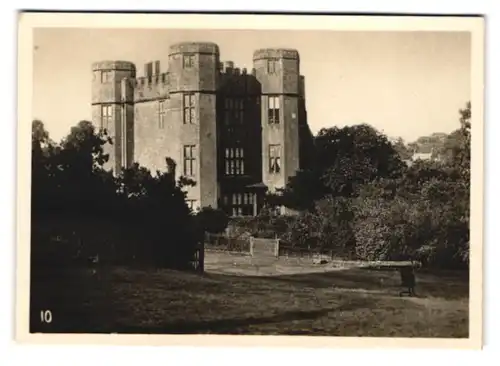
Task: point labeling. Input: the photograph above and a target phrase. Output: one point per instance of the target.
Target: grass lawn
(266, 299)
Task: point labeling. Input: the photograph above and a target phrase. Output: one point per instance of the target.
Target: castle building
(237, 134)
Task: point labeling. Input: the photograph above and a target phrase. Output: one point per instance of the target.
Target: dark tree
(355, 155)
(346, 158)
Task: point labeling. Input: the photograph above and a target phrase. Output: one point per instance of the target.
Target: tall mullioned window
(239, 204)
(234, 161)
(106, 116)
(273, 114)
(274, 159)
(272, 66)
(234, 109)
(105, 76)
(188, 61)
(189, 109)
(161, 114)
(228, 106)
(189, 160)
(240, 110)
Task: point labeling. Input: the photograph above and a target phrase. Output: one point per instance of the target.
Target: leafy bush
(266, 224)
(326, 229)
(135, 217)
(366, 203)
(212, 220)
(227, 243)
(424, 216)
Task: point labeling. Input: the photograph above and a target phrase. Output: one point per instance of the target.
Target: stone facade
(236, 133)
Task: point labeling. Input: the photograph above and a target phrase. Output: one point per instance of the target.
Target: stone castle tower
(237, 134)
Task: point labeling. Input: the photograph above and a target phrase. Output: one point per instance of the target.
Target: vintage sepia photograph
(298, 176)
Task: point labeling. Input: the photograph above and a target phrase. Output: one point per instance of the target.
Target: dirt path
(234, 264)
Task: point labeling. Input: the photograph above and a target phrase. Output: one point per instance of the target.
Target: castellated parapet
(235, 131)
(279, 53)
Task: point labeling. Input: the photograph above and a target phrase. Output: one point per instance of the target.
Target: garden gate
(262, 247)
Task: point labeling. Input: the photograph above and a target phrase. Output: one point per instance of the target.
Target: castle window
(188, 109)
(234, 161)
(272, 66)
(228, 106)
(105, 76)
(273, 109)
(106, 116)
(239, 204)
(234, 109)
(161, 114)
(241, 110)
(188, 61)
(274, 159)
(189, 160)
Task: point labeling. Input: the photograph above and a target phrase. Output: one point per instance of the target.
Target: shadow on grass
(235, 325)
(225, 326)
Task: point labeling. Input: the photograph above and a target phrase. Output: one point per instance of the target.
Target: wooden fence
(290, 251)
(261, 247)
(224, 243)
(242, 245)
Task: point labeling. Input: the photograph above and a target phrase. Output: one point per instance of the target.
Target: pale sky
(406, 84)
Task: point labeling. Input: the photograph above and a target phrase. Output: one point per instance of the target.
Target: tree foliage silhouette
(147, 213)
(363, 197)
(346, 158)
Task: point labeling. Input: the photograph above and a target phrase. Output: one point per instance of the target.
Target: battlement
(229, 79)
(237, 81)
(194, 47)
(227, 68)
(153, 80)
(265, 53)
(113, 65)
(151, 87)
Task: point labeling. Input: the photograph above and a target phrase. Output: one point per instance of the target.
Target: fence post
(251, 246)
(202, 256)
(277, 248)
